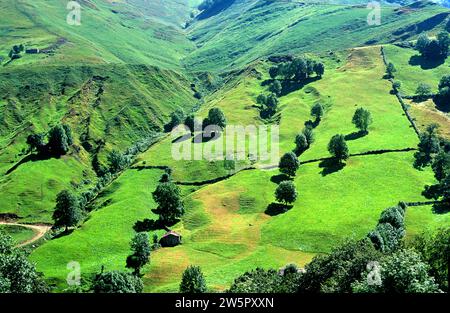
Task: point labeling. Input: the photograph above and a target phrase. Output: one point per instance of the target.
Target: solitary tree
(170, 205)
(390, 70)
(317, 111)
(190, 123)
(140, 246)
(428, 146)
(289, 164)
(301, 144)
(216, 117)
(423, 90)
(193, 281)
(362, 119)
(67, 212)
(286, 192)
(338, 148)
(309, 135)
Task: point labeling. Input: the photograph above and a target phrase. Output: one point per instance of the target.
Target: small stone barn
(170, 239)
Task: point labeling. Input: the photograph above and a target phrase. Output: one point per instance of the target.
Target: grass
(104, 238)
(19, 234)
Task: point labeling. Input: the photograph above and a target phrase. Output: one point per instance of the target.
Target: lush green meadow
(19, 234)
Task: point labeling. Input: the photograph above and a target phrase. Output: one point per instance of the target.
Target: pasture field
(18, 234)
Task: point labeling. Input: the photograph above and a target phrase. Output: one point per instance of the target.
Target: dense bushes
(433, 48)
(17, 274)
(267, 281)
(117, 282)
(390, 230)
(59, 140)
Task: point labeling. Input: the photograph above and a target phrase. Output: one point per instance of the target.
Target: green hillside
(117, 78)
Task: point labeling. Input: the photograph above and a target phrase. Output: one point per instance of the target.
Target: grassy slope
(248, 30)
(226, 230)
(100, 81)
(413, 70)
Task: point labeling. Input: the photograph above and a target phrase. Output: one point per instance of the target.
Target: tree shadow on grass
(201, 138)
(182, 138)
(279, 178)
(424, 63)
(288, 86)
(63, 233)
(275, 209)
(355, 135)
(31, 158)
(331, 166)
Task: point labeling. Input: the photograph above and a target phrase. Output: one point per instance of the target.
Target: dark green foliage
(319, 69)
(428, 147)
(117, 282)
(397, 85)
(170, 205)
(216, 117)
(317, 111)
(301, 144)
(337, 271)
(176, 118)
(390, 230)
(36, 142)
(434, 248)
(362, 119)
(289, 164)
(300, 69)
(338, 148)
(434, 48)
(261, 99)
(273, 72)
(267, 281)
(67, 211)
(276, 87)
(309, 135)
(193, 281)
(117, 161)
(286, 192)
(140, 246)
(17, 274)
(441, 165)
(390, 70)
(60, 139)
(401, 272)
(423, 91)
(190, 123)
(442, 98)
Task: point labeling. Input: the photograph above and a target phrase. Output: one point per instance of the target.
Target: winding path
(39, 231)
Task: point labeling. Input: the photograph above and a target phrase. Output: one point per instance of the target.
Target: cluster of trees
(260, 280)
(304, 140)
(433, 48)
(215, 117)
(390, 229)
(59, 140)
(362, 266)
(298, 69)
(15, 52)
(17, 274)
(286, 191)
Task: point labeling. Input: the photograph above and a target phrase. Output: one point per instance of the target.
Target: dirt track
(39, 231)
